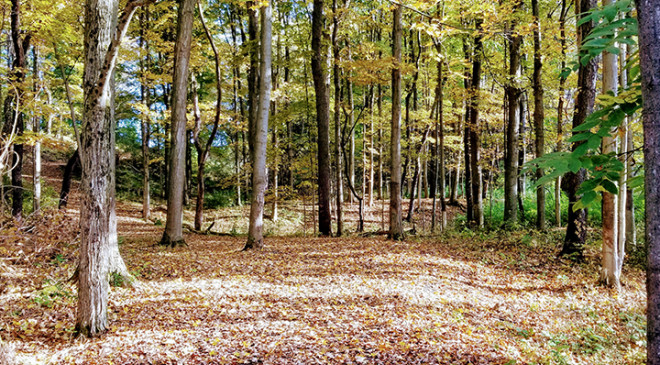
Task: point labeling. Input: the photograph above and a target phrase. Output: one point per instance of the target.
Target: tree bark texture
(321, 87)
(97, 157)
(396, 224)
(539, 114)
(259, 174)
(339, 191)
(648, 15)
(21, 45)
(475, 132)
(173, 235)
(513, 94)
(610, 273)
(36, 128)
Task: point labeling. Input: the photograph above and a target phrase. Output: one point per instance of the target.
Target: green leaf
(594, 141)
(580, 137)
(610, 187)
(574, 165)
(635, 182)
(580, 150)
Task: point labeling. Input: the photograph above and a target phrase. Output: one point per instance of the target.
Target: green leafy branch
(603, 170)
(613, 25)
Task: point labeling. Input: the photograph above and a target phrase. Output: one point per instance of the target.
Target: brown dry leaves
(455, 300)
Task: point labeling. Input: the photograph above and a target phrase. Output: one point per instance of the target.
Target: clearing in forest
(454, 299)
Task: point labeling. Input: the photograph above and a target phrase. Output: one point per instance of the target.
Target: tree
(576, 229)
(539, 115)
(36, 123)
(322, 117)
(610, 268)
(99, 253)
(203, 149)
(475, 140)
(339, 191)
(396, 224)
(513, 95)
(21, 44)
(565, 7)
(173, 234)
(649, 55)
(145, 94)
(260, 136)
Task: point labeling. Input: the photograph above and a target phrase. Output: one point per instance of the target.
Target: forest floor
(456, 298)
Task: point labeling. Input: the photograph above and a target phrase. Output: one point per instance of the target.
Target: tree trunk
(380, 142)
(259, 174)
(338, 163)
(475, 132)
(36, 128)
(99, 249)
(467, 190)
(440, 138)
(576, 229)
(322, 117)
(146, 120)
(609, 275)
(560, 105)
(513, 94)
(238, 113)
(631, 234)
(396, 225)
(649, 50)
(173, 235)
(21, 45)
(252, 74)
(539, 115)
(71, 164)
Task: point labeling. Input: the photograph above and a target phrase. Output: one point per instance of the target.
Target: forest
(330, 182)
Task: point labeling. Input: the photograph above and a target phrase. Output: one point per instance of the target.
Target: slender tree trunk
(371, 153)
(238, 115)
(322, 117)
(146, 120)
(560, 104)
(36, 128)
(21, 45)
(649, 50)
(380, 142)
(576, 229)
(259, 174)
(71, 164)
(252, 74)
(173, 235)
(338, 158)
(514, 94)
(276, 141)
(631, 234)
(467, 190)
(539, 115)
(609, 275)
(440, 138)
(396, 226)
(475, 132)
